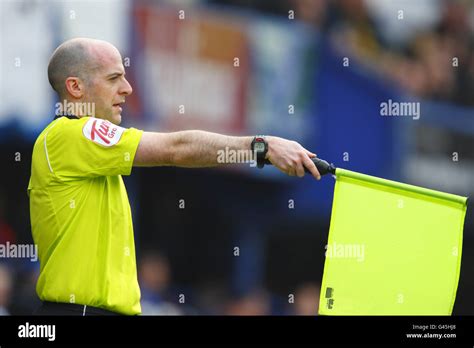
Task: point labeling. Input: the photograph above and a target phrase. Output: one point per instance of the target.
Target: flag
(393, 248)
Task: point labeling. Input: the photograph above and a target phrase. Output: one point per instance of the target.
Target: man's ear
(75, 87)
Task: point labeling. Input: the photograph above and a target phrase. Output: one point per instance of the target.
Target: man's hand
(290, 157)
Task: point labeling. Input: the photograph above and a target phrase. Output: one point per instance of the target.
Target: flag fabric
(393, 248)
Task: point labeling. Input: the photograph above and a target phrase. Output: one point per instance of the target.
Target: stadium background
(239, 240)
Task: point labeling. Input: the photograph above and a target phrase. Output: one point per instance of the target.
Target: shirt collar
(70, 116)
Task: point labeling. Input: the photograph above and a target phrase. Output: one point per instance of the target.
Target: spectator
(154, 276)
(6, 231)
(255, 302)
(307, 299)
(5, 289)
(312, 12)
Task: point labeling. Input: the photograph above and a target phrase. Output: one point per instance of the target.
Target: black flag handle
(323, 166)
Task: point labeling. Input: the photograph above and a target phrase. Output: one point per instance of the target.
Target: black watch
(259, 147)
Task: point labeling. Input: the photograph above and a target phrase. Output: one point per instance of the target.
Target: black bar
(222, 329)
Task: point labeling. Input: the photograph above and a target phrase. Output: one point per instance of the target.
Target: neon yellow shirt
(80, 214)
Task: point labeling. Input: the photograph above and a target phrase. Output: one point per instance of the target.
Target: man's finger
(300, 170)
(309, 164)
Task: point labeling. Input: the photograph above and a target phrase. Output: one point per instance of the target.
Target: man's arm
(196, 148)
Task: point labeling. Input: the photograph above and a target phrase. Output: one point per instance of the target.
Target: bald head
(90, 72)
(79, 57)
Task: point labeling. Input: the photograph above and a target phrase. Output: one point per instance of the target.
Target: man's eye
(113, 78)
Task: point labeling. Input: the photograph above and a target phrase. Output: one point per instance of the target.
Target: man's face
(107, 86)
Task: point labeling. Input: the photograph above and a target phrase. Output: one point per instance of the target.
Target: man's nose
(126, 89)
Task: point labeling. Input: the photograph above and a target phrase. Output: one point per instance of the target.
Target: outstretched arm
(196, 148)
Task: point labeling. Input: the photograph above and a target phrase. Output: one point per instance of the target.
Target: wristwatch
(259, 146)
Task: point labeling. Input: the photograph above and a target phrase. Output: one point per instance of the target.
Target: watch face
(260, 147)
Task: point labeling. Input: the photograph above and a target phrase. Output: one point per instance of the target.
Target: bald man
(80, 213)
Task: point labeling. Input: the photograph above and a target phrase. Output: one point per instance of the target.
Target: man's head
(90, 71)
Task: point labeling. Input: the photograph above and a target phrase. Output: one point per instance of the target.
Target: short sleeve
(91, 147)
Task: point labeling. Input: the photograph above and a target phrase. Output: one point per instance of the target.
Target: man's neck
(71, 108)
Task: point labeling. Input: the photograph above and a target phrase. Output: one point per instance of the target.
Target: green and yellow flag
(393, 248)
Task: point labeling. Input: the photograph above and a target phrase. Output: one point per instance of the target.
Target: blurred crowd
(423, 46)
(161, 296)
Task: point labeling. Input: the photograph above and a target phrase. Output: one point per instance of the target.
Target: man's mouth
(118, 105)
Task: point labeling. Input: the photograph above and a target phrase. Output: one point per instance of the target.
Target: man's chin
(116, 119)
